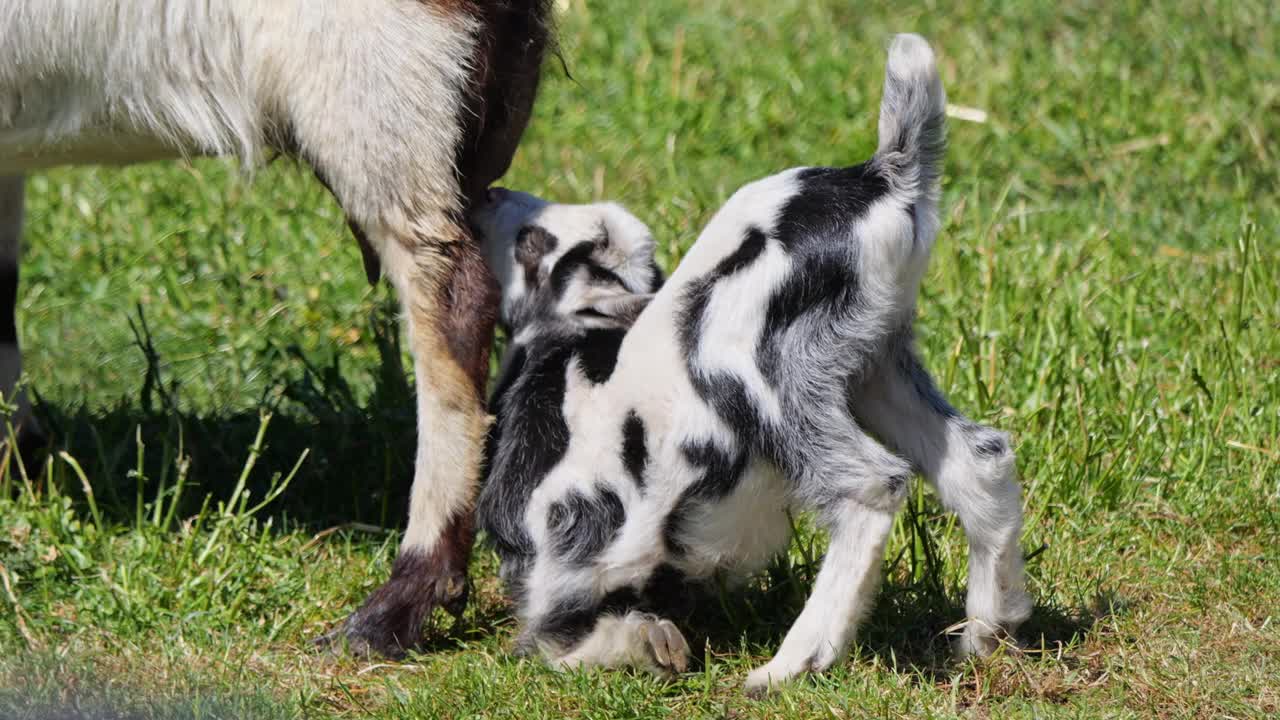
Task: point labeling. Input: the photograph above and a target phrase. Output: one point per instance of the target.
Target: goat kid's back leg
(27, 430)
(857, 487)
(972, 468)
(449, 298)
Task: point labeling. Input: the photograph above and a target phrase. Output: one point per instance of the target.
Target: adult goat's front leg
(449, 298)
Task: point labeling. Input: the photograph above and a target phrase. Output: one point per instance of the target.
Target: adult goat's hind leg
(27, 430)
(381, 112)
(449, 299)
(972, 467)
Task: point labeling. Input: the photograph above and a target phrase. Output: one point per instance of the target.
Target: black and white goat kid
(630, 454)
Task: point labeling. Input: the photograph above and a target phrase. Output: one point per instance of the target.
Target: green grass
(1105, 288)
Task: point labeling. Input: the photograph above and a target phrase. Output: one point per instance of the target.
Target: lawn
(235, 430)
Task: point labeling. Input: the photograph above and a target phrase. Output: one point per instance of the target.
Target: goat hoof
(981, 640)
(667, 646)
(390, 621)
(765, 679)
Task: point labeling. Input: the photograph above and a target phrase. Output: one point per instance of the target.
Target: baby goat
(633, 454)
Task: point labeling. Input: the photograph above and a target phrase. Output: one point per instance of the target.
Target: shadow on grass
(359, 452)
(911, 628)
(358, 469)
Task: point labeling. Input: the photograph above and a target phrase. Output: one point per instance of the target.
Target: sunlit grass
(1105, 288)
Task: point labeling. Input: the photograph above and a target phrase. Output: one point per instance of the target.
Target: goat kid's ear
(615, 310)
(533, 242)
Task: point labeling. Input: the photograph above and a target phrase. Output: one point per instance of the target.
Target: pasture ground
(1105, 288)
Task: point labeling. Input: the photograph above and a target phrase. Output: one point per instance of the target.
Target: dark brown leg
(391, 619)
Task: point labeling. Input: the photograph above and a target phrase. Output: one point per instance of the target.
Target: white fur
(84, 81)
(631, 640)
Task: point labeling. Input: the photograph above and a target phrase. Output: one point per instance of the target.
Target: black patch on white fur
(581, 527)
(597, 353)
(635, 453)
(823, 281)
(699, 292)
(828, 203)
(666, 592)
(815, 226)
(528, 439)
(574, 616)
(656, 278)
(531, 434)
(990, 445)
(578, 257)
(724, 392)
(533, 242)
(721, 470)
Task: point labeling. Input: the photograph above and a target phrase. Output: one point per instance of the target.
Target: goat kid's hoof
(766, 679)
(978, 640)
(667, 646)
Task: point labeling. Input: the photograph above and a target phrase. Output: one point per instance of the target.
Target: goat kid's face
(585, 266)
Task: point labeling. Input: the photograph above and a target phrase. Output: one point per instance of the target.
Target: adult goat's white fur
(122, 81)
(403, 107)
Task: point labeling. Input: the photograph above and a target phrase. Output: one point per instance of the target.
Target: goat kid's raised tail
(912, 121)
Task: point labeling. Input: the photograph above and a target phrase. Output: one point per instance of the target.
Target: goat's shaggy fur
(774, 370)
(406, 109)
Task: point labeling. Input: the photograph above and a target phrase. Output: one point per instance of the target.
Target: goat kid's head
(578, 266)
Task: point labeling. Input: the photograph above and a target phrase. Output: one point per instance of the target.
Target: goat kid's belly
(736, 536)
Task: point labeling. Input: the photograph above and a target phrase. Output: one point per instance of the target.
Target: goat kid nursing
(651, 436)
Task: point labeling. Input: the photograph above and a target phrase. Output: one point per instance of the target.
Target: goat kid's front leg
(841, 597)
(450, 300)
(636, 639)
